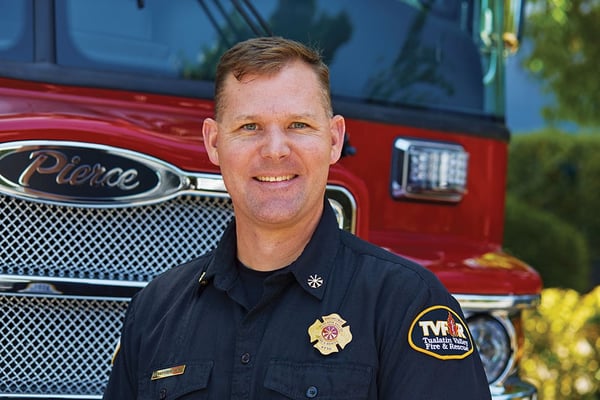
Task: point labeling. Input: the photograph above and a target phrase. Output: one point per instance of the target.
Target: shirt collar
(222, 267)
(312, 270)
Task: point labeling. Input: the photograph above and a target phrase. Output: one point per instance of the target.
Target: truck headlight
(493, 342)
(428, 170)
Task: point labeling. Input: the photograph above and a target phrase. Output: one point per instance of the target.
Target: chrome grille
(131, 244)
(55, 346)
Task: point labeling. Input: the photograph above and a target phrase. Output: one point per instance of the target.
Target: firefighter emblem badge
(329, 335)
(440, 332)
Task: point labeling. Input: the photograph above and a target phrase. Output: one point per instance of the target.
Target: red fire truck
(104, 180)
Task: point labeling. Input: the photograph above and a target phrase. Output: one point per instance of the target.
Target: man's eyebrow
(244, 117)
(254, 117)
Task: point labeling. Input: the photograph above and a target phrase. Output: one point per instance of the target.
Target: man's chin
(284, 212)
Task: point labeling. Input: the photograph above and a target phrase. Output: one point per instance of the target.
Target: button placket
(248, 339)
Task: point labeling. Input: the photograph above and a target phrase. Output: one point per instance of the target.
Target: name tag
(167, 372)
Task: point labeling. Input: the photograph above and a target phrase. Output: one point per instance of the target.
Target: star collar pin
(315, 281)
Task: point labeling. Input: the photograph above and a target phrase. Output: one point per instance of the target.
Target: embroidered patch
(330, 335)
(439, 332)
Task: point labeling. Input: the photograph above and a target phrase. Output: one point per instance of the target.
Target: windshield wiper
(248, 13)
(265, 31)
(214, 22)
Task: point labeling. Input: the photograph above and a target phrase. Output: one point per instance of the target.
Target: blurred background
(553, 196)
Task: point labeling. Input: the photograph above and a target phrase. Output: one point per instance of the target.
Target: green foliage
(565, 52)
(556, 249)
(560, 174)
(562, 345)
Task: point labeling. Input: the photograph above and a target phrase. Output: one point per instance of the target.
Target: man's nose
(275, 143)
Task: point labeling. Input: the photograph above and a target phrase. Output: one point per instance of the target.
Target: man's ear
(338, 130)
(210, 132)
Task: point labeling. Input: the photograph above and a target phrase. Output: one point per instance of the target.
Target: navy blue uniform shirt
(346, 320)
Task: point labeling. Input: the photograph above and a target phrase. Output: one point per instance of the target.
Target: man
(288, 305)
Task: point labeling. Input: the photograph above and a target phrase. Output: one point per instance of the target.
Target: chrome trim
(514, 389)
(68, 287)
(339, 208)
(477, 303)
(207, 183)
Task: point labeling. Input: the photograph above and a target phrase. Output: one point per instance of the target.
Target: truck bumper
(514, 389)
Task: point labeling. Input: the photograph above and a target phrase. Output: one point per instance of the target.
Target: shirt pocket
(176, 381)
(324, 381)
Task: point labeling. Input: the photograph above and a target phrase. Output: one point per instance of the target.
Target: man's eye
(250, 127)
(298, 125)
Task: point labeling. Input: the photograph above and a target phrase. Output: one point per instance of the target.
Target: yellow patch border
(430, 353)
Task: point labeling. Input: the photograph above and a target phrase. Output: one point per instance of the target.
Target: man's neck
(269, 249)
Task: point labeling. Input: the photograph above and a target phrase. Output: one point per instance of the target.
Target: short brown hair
(264, 56)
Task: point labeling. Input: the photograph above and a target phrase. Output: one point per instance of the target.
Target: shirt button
(245, 358)
(162, 395)
(311, 392)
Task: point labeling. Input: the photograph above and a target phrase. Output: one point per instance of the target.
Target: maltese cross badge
(330, 335)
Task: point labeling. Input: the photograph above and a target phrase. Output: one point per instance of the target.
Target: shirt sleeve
(122, 381)
(428, 351)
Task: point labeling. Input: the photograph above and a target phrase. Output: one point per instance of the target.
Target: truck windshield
(16, 35)
(427, 54)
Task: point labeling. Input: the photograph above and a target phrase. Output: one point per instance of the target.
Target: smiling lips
(282, 178)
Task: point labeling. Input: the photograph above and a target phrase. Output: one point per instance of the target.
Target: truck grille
(127, 244)
(54, 345)
(57, 346)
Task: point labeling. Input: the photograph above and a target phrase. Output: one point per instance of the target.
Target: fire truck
(105, 182)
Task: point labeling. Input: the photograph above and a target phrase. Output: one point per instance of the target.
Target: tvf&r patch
(440, 332)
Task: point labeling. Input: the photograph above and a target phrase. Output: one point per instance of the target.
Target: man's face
(274, 143)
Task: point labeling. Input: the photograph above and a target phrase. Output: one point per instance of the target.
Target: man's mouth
(281, 178)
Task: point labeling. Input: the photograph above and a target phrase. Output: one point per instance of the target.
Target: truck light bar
(428, 170)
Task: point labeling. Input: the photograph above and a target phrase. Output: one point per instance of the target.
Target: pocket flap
(330, 381)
